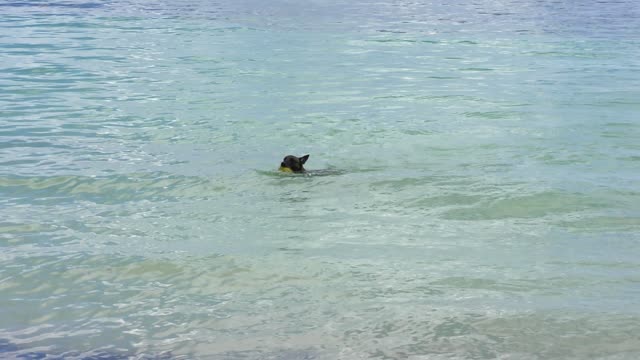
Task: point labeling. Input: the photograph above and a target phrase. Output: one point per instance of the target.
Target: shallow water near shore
(473, 188)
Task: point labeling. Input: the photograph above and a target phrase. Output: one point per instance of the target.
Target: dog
(293, 164)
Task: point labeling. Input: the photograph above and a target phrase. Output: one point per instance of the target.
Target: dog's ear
(304, 159)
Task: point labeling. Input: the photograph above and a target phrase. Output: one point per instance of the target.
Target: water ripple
(110, 190)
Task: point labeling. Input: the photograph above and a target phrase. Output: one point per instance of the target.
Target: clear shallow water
(481, 199)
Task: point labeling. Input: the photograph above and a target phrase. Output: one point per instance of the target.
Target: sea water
(473, 190)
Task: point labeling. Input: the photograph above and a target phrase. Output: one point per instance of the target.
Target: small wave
(66, 4)
(603, 223)
(528, 206)
(110, 189)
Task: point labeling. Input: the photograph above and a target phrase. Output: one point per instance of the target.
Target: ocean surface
(473, 188)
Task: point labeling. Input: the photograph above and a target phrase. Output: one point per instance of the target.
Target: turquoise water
(474, 191)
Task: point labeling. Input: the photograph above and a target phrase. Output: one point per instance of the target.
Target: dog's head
(292, 163)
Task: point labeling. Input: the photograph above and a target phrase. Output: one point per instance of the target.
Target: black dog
(293, 164)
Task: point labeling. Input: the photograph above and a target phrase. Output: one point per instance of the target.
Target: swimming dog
(293, 164)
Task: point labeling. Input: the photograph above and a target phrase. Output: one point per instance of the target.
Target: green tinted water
(474, 189)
